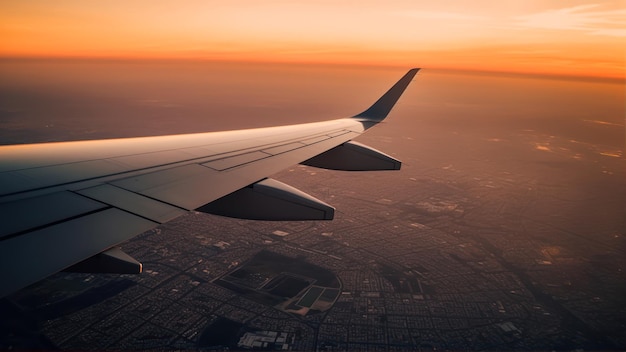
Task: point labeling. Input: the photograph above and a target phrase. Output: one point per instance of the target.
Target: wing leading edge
(62, 204)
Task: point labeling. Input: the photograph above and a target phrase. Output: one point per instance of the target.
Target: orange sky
(555, 37)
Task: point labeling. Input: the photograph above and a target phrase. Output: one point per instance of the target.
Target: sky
(558, 37)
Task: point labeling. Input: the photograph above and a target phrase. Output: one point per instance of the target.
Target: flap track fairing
(270, 200)
(112, 261)
(353, 156)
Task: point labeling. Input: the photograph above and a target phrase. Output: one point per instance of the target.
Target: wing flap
(133, 203)
(32, 213)
(38, 254)
(185, 186)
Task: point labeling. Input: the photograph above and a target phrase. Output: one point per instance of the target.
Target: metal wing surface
(64, 203)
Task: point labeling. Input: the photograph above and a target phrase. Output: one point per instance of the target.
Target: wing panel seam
(40, 227)
(128, 211)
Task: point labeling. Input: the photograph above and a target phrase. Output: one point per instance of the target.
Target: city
(413, 274)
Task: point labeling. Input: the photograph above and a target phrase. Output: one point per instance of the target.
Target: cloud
(611, 32)
(584, 18)
(439, 15)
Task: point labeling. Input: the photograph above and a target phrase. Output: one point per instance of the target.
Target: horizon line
(438, 69)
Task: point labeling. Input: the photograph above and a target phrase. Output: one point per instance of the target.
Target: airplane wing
(65, 206)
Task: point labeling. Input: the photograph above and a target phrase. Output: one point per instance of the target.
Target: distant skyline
(578, 38)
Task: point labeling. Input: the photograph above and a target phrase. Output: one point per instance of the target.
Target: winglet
(383, 105)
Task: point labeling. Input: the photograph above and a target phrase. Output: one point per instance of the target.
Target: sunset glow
(555, 37)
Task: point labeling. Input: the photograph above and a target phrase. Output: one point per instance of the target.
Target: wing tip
(381, 108)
